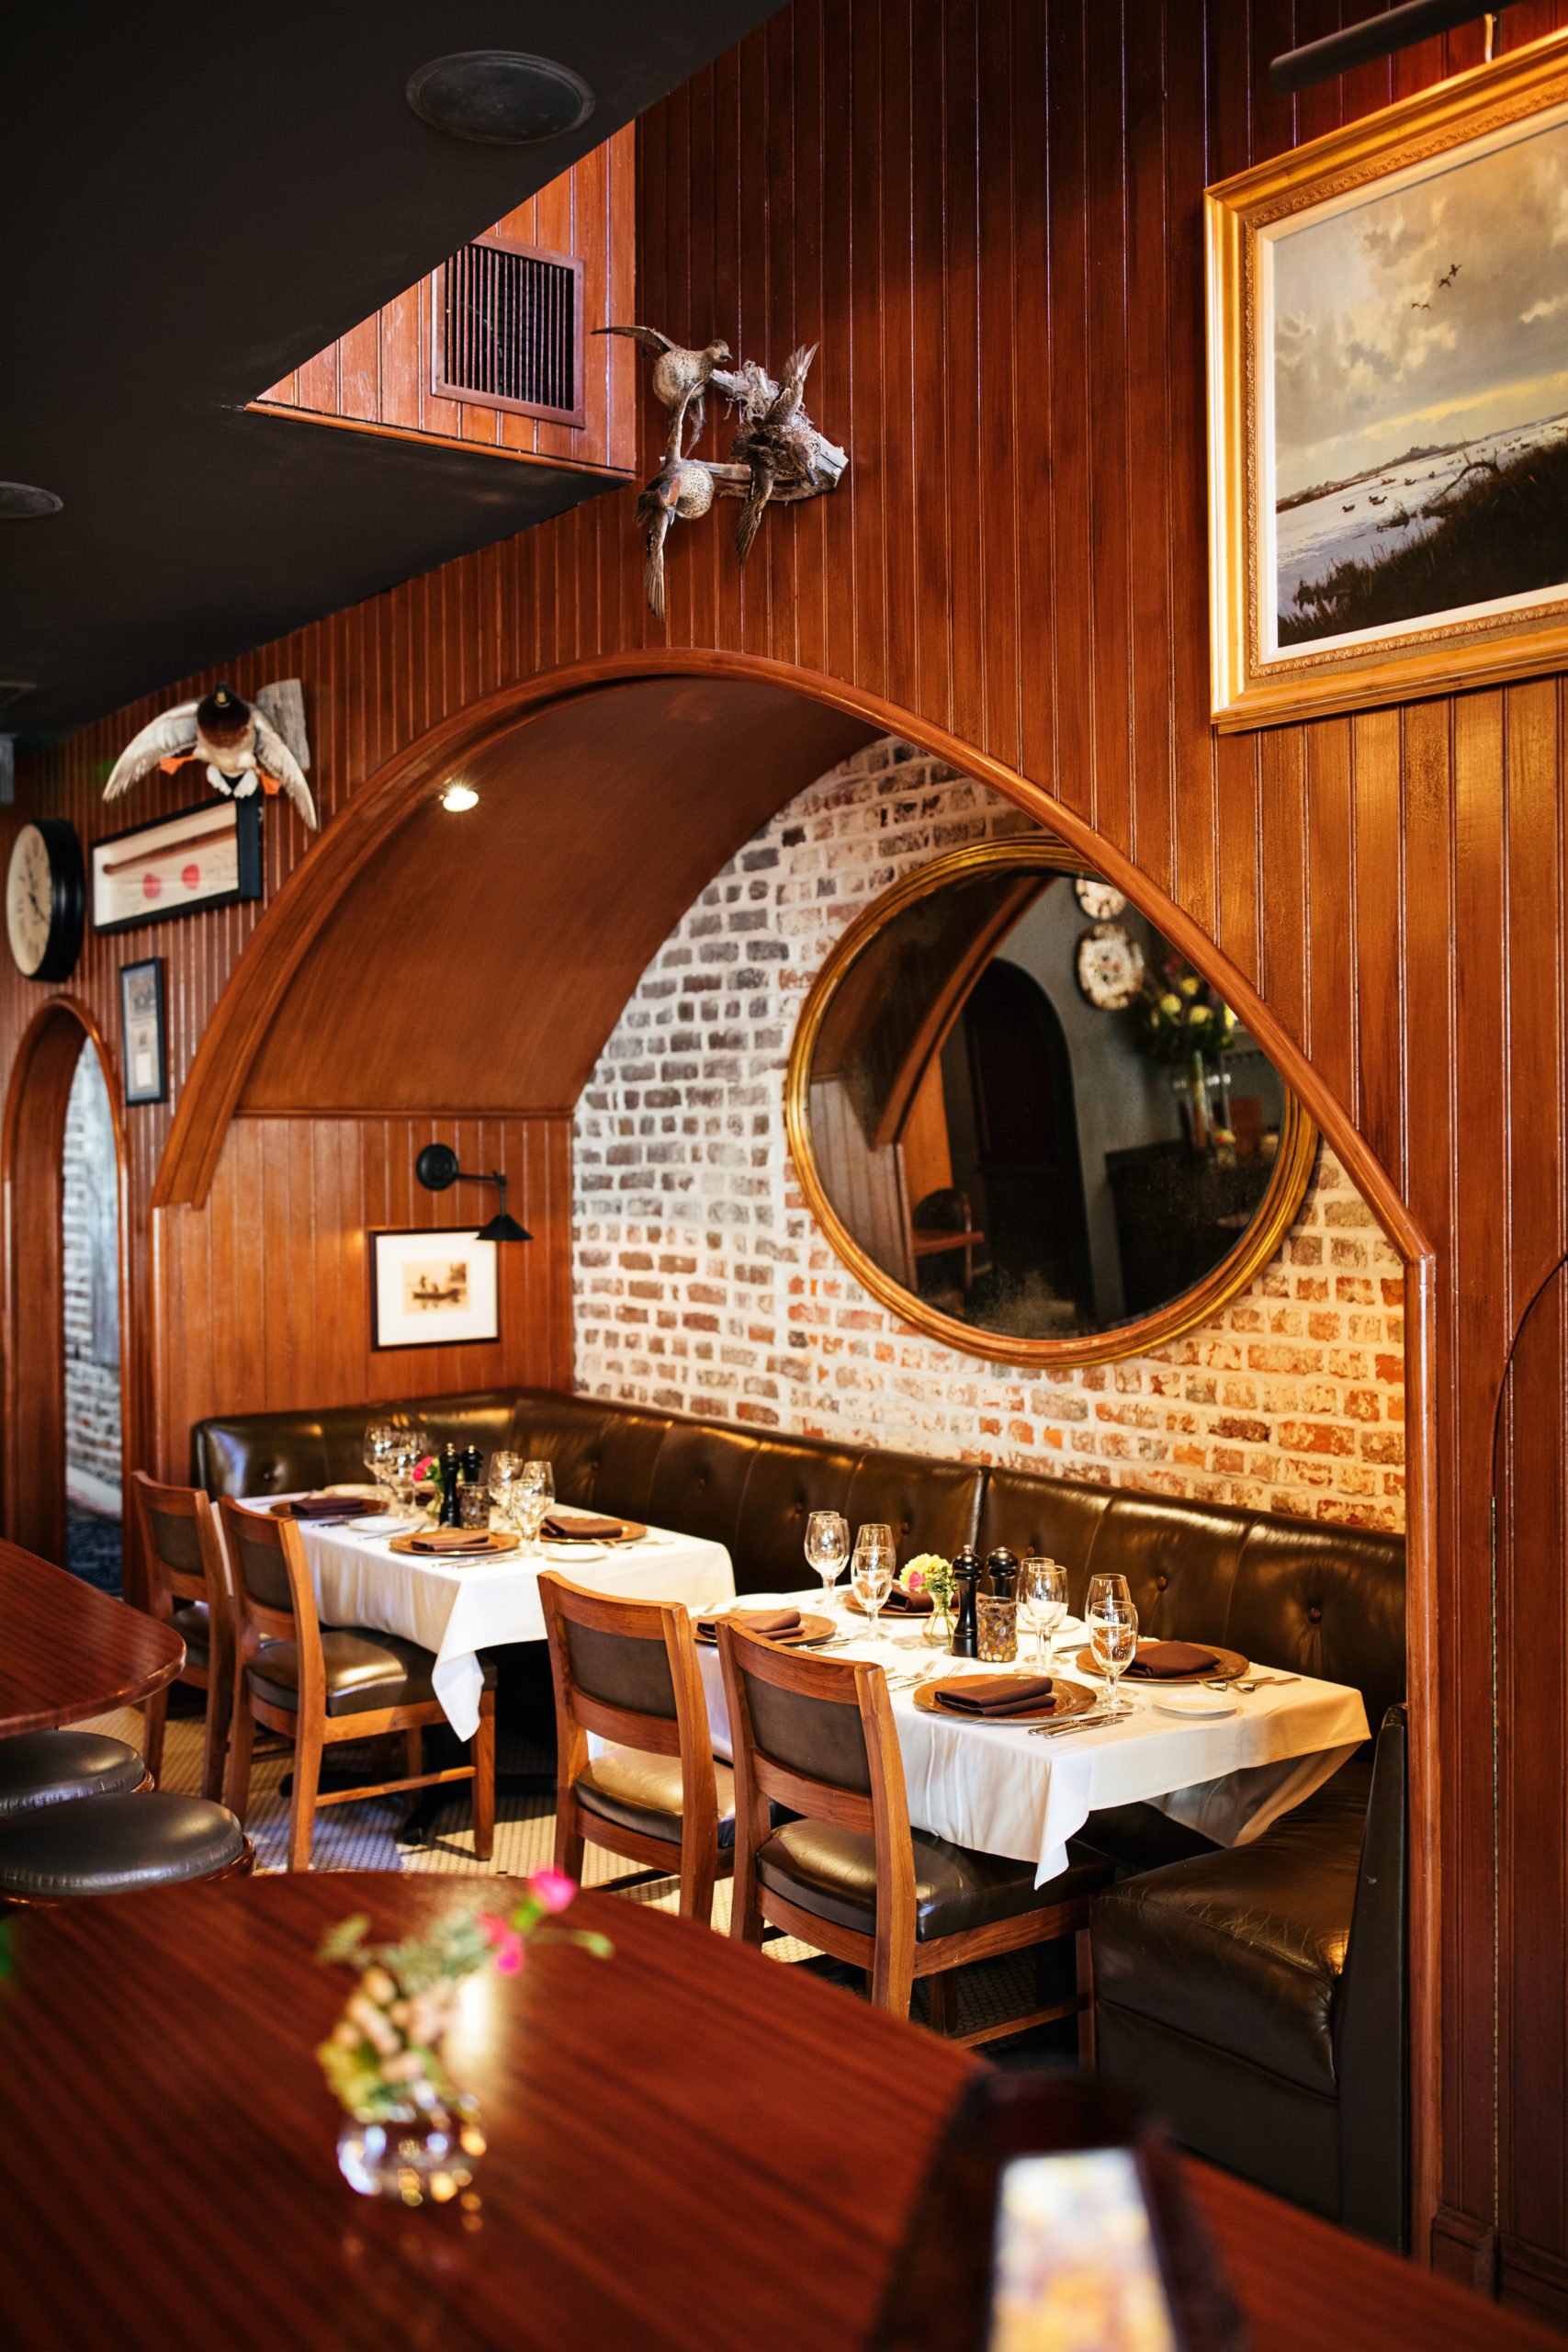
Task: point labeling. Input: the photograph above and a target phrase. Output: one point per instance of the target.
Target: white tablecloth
(458, 1607)
(997, 1789)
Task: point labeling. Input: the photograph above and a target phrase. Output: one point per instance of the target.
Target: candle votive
(998, 1621)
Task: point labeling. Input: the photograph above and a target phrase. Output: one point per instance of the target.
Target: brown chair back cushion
(178, 1542)
(622, 1669)
(261, 1569)
(817, 1737)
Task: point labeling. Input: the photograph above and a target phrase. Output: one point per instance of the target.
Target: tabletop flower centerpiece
(407, 2131)
(1180, 1018)
(930, 1573)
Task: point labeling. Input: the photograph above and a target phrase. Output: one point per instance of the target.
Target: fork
(1079, 1723)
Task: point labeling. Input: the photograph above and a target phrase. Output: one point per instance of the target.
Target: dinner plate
(915, 1616)
(381, 1523)
(567, 1553)
(809, 1630)
(1228, 1664)
(1198, 1704)
(493, 1543)
(1068, 1698)
(632, 1531)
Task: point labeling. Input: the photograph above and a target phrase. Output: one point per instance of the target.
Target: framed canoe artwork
(206, 856)
(1388, 403)
(432, 1289)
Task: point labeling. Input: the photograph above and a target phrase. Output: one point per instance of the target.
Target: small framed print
(206, 856)
(431, 1290)
(144, 1034)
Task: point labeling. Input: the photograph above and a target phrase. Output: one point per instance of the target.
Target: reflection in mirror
(1031, 1118)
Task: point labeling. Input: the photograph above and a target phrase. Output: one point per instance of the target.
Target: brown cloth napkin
(584, 1530)
(325, 1507)
(1012, 1694)
(756, 1621)
(1157, 1660)
(900, 1603)
(451, 1539)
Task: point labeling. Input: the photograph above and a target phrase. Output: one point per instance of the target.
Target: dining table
(456, 1605)
(68, 1651)
(1001, 1788)
(690, 2147)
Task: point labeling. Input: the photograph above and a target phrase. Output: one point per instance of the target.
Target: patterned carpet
(364, 1837)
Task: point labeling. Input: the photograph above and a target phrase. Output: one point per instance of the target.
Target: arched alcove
(32, 1180)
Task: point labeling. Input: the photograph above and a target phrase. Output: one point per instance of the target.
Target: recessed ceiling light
(499, 96)
(459, 796)
(20, 499)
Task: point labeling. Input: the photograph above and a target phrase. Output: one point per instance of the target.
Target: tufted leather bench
(1256, 1995)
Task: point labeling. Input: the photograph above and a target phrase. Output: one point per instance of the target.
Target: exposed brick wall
(90, 1253)
(704, 1283)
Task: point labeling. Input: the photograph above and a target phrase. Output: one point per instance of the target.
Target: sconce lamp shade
(437, 1168)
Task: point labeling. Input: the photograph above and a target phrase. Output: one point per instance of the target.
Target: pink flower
(424, 1469)
(510, 1953)
(553, 1889)
(916, 1579)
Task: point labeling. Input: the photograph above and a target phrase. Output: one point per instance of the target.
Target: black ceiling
(196, 200)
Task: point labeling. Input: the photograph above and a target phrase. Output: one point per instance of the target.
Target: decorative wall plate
(1111, 966)
(1098, 900)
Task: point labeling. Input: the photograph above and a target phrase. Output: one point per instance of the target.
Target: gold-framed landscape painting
(1388, 403)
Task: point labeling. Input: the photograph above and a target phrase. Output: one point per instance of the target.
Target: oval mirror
(1027, 1125)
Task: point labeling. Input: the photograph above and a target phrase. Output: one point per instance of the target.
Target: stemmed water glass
(505, 1474)
(1113, 1641)
(826, 1548)
(537, 1492)
(380, 1440)
(1043, 1595)
(871, 1570)
(1106, 1587)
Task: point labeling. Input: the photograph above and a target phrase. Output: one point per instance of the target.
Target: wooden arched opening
(32, 1150)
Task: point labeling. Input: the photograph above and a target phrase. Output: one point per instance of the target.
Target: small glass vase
(936, 1628)
(427, 2148)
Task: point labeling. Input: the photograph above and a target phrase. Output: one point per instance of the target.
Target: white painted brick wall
(704, 1283)
(88, 1236)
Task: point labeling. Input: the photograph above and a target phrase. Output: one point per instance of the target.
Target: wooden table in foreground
(68, 1651)
(690, 2146)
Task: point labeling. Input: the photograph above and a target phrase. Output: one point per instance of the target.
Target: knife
(1079, 1723)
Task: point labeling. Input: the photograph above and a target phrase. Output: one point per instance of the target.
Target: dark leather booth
(1255, 1995)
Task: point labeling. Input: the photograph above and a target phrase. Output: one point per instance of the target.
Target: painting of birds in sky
(1419, 443)
(776, 454)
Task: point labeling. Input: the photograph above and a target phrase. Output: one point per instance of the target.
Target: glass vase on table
(826, 1548)
(1113, 1645)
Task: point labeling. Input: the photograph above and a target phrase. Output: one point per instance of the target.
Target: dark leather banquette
(1255, 1995)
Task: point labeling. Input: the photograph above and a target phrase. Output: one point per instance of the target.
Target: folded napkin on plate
(586, 1530)
(900, 1603)
(756, 1621)
(1157, 1660)
(324, 1506)
(1010, 1694)
(450, 1539)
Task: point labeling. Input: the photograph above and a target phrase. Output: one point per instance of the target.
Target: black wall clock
(46, 900)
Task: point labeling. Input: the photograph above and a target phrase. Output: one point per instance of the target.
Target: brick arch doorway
(32, 1269)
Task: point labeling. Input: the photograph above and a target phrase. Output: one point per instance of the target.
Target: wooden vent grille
(508, 330)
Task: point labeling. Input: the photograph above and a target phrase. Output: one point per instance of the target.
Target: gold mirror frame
(1276, 1212)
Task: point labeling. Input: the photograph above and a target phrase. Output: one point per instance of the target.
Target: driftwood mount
(779, 457)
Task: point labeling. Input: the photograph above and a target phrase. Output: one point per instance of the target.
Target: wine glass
(1104, 1587)
(537, 1492)
(505, 1475)
(826, 1548)
(376, 1455)
(1113, 1641)
(871, 1572)
(1042, 1593)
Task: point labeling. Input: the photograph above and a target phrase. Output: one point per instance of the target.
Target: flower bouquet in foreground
(929, 1572)
(408, 2132)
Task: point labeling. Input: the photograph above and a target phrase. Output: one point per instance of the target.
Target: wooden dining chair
(627, 1671)
(321, 1685)
(187, 1586)
(817, 1736)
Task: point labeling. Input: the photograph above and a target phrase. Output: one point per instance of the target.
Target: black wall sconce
(437, 1168)
(1379, 36)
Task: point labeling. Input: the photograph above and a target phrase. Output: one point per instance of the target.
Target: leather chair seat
(832, 1872)
(113, 1845)
(49, 1768)
(642, 1793)
(365, 1671)
(190, 1623)
(1242, 1949)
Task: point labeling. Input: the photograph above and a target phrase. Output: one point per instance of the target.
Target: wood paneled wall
(988, 217)
(378, 377)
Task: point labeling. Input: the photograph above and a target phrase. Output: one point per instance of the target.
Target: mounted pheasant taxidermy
(779, 457)
(243, 743)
